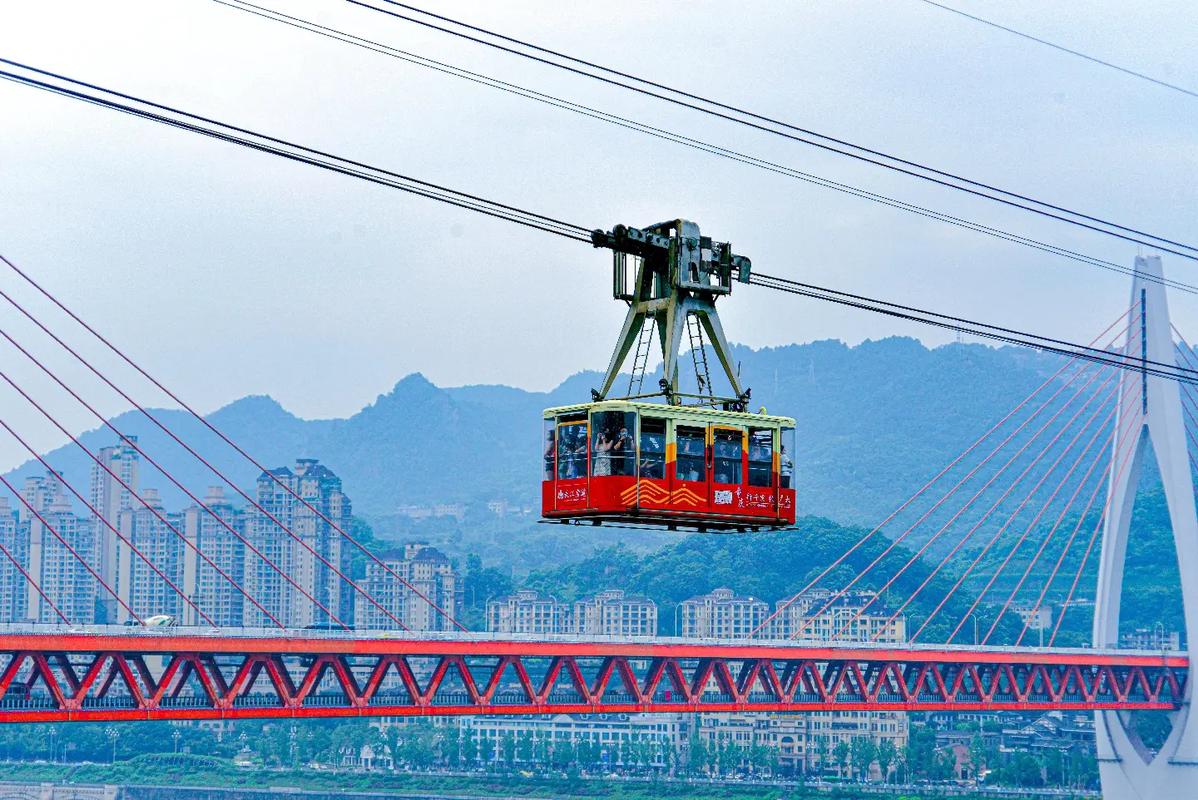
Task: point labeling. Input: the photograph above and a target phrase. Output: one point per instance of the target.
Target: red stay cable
(221, 475)
(1031, 526)
(1010, 519)
(109, 525)
(125, 485)
(894, 543)
(69, 548)
(119, 353)
(860, 542)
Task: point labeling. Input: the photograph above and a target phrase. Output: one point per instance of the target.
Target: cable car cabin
(675, 466)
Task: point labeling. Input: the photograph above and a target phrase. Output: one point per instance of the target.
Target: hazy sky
(229, 272)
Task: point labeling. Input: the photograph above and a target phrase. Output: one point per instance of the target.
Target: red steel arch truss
(63, 677)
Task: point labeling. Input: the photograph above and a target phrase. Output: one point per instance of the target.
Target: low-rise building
(722, 615)
(407, 584)
(612, 613)
(527, 612)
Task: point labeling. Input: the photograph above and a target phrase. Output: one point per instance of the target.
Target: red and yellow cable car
(676, 466)
(690, 460)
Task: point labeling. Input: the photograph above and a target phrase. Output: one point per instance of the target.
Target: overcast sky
(228, 272)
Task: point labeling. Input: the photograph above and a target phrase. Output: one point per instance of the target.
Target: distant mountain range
(874, 421)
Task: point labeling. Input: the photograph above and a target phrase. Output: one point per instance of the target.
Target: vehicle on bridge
(691, 460)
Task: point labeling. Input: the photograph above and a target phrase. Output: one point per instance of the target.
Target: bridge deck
(115, 673)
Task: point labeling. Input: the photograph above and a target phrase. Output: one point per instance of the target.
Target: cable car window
(761, 456)
(691, 462)
(613, 450)
(786, 464)
(549, 445)
(653, 448)
(726, 459)
(572, 450)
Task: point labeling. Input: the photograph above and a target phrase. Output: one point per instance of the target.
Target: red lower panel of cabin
(665, 502)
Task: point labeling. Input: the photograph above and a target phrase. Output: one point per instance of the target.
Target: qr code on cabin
(723, 498)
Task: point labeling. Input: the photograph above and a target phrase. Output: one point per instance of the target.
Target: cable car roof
(661, 409)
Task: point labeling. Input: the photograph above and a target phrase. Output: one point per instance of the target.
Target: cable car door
(727, 469)
(691, 490)
(571, 489)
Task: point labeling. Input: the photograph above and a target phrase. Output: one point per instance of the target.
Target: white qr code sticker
(723, 497)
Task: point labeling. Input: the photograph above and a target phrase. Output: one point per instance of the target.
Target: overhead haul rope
(133, 493)
(830, 144)
(70, 549)
(33, 583)
(1010, 518)
(917, 556)
(295, 152)
(569, 230)
(95, 511)
(670, 136)
(860, 542)
(1081, 566)
(225, 438)
(1043, 508)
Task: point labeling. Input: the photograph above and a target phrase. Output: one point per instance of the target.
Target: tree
(840, 753)
(524, 747)
(863, 752)
(470, 749)
(886, 755)
(507, 747)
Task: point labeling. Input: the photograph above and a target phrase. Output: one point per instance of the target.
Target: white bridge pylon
(1149, 411)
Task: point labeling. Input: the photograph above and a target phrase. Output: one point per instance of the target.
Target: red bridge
(110, 674)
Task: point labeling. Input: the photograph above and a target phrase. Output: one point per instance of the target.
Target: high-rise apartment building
(213, 581)
(109, 493)
(61, 548)
(14, 555)
(141, 581)
(297, 531)
(527, 612)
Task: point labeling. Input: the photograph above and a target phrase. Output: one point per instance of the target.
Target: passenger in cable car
(622, 448)
(653, 461)
(602, 455)
(786, 467)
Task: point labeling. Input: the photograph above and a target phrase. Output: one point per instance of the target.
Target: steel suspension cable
(994, 576)
(1010, 335)
(672, 136)
(977, 442)
(901, 537)
(1010, 518)
(295, 152)
(96, 512)
(287, 488)
(1061, 48)
(70, 549)
(166, 473)
(827, 143)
